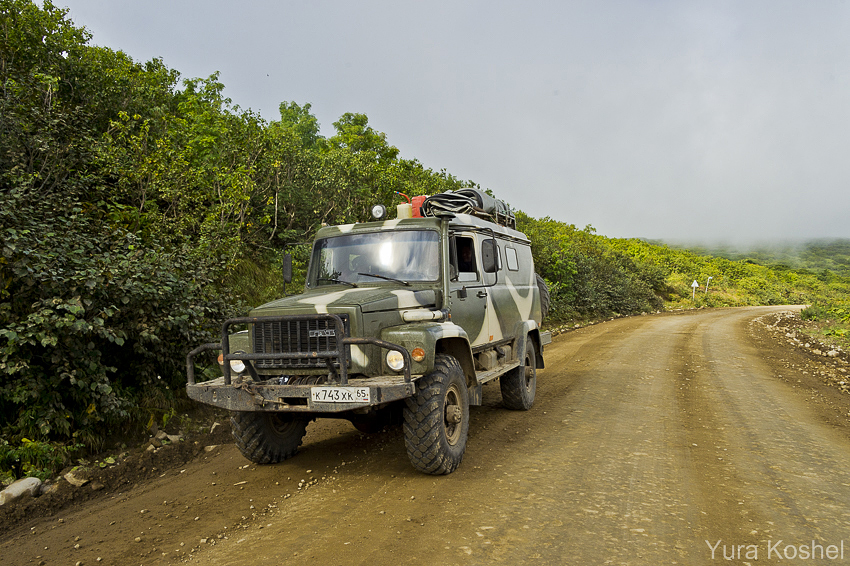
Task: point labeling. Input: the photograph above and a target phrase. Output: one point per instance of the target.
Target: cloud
(721, 120)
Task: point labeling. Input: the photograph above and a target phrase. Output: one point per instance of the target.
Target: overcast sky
(706, 120)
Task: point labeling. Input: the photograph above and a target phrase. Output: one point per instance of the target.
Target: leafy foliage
(587, 276)
(136, 215)
(32, 458)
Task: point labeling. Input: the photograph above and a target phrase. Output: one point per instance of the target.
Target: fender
(434, 338)
(524, 331)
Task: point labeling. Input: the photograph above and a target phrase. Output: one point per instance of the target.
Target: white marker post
(694, 286)
(706, 285)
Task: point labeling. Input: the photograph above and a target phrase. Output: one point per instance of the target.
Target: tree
(300, 121)
(354, 134)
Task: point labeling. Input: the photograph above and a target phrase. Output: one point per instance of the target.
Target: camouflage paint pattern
(487, 313)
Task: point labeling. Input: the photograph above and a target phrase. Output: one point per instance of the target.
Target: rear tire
(267, 438)
(436, 419)
(519, 386)
(545, 300)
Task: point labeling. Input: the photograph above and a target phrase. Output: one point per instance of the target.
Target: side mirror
(488, 256)
(287, 268)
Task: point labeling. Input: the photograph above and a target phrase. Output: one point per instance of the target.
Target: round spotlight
(379, 212)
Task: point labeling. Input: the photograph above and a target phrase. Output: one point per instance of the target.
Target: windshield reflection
(401, 256)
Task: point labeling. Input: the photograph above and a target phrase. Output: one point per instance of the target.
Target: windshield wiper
(335, 280)
(405, 283)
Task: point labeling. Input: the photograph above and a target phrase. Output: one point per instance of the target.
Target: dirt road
(654, 440)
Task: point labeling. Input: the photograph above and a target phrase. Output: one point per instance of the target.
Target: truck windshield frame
(408, 256)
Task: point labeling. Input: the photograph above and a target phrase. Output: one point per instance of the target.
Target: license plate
(340, 394)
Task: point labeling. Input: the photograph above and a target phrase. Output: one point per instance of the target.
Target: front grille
(296, 337)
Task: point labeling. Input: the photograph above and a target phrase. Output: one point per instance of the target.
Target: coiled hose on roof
(470, 201)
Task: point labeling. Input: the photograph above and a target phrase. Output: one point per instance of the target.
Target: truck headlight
(236, 365)
(395, 360)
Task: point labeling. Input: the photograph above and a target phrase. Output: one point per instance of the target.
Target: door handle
(481, 294)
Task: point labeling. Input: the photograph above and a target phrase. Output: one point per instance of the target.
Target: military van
(411, 315)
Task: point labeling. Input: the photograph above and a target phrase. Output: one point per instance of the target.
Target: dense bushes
(136, 214)
(587, 276)
(92, 318)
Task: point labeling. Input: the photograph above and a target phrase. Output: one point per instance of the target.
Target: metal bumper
(248, 395)
(295, 398)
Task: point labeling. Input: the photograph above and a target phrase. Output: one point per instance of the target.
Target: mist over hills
(814, 255)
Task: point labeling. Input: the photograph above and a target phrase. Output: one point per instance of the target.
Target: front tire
(267, 438)
(436, 419)
(519, 386)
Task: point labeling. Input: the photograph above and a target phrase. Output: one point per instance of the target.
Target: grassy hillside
(594, 276)
(813, 255)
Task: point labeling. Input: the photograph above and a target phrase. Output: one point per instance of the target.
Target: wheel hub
(454, 414)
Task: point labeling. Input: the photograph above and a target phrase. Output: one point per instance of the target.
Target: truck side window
(513, 261)
(465, 254)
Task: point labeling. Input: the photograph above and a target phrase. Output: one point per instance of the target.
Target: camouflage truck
(410, 316)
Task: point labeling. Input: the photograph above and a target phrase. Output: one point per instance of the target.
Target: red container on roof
(417, 206)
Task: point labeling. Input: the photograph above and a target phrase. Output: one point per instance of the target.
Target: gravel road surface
(691, 438)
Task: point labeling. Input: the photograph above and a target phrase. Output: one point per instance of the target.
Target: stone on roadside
(76, 478)
(22, 487)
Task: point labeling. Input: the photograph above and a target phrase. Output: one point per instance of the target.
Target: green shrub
(34, 459)
(91, 317)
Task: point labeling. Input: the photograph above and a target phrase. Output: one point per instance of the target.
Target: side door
(468, 300)
(512, 297)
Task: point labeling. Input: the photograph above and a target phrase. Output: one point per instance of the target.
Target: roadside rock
(20, 488)
(77, 478)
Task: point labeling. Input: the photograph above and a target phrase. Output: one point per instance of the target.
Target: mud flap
(476, 395)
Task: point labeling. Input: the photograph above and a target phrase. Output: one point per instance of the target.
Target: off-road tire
(544, 296)
(267, 438)
(435, 443)
(519, 385)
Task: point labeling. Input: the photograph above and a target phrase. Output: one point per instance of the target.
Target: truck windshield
(402, 256)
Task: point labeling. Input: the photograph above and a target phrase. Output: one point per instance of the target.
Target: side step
(489, 375)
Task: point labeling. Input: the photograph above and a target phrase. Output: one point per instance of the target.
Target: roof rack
(471, 201)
